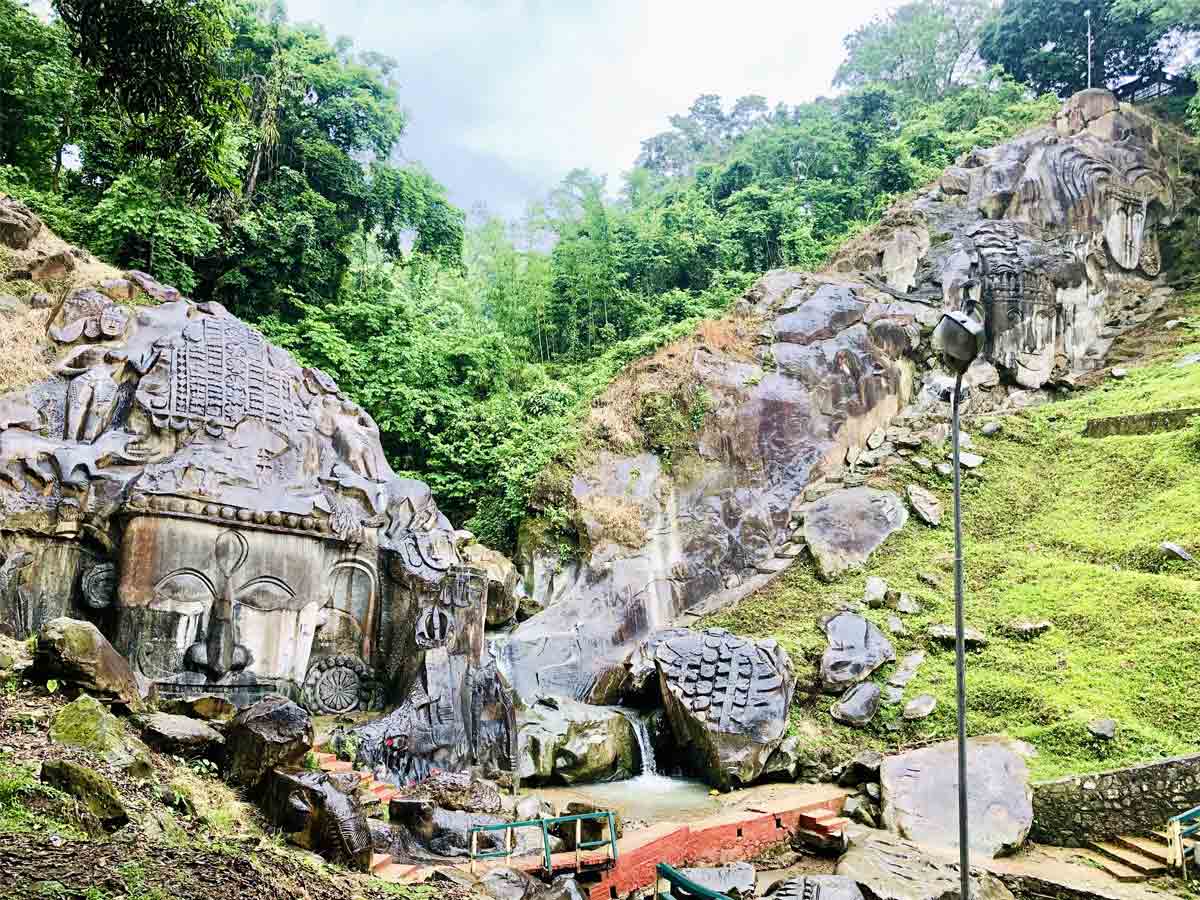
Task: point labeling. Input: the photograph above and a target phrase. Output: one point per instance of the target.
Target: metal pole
(1089, 21)
(960, 656)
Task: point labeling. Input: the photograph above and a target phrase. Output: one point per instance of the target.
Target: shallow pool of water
(646, 798)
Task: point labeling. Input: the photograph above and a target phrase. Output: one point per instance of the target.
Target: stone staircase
(1133, 858)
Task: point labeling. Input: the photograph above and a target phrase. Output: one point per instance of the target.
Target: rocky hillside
(784, 436)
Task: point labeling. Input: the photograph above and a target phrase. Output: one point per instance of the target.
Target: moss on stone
(86, 724)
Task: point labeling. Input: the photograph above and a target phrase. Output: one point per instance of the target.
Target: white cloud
(507, 96)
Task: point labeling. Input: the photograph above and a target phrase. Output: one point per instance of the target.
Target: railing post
(474, 848)
(578, 841)
(546, 848)
(612, 835)
(508, 843)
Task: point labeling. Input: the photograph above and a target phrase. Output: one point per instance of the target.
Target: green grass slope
(1058, 527)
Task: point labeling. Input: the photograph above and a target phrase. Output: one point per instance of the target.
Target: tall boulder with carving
(228, 519)
(1050, 239)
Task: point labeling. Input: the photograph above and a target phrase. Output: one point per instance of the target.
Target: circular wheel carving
(336, 685)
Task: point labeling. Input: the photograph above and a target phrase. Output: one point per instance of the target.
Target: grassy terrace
(1058, 527)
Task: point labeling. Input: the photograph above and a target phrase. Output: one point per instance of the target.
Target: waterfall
(642, 733)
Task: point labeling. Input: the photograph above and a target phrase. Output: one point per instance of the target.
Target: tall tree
(1044, 43)
(924, 48)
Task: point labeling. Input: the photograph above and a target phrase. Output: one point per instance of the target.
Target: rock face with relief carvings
(228, 519)
(727, 700)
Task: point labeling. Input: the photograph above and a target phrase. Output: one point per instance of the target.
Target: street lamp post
(960, 339)
(1087, 14)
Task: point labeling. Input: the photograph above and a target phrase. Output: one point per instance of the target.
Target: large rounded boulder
(562, 741)
(77, 654)
(274, 732)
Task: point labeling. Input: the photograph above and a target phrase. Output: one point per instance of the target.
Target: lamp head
(959, 338)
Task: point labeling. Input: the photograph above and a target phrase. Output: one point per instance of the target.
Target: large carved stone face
(206, 603)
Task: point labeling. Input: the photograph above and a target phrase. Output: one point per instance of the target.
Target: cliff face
(1051, 240)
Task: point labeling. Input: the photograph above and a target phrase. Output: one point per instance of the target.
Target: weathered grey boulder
(93, 791)
(818, 887)
(858, 705)
(503, 883)
(863, 769)
(920, 707)
(77, 654)
(1104, 729)
(856, 649)
(562, 741)
(727, 700)
(890, 868)
(875, 592)
(86, 724)
(734, 880)
(916, 786)
(273, 733)
(1026, 631)
(844, 528)
(973, 638)
(18, 224)
(788, 761)
(927, 507)
(181, 736)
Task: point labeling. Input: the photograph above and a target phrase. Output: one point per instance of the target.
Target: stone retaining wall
(1070, 811)
(1141, 423)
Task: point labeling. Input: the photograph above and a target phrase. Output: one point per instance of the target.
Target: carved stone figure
(319, 811)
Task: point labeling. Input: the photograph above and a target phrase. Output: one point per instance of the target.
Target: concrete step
(379, 860)
(1145, 846)
(1128, 857)
(396, 873)
(831, 823)
(336, 766)
(324, 757)
(1118, 871)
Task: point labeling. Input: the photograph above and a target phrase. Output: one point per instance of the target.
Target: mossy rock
(95, 792)
(86, 724)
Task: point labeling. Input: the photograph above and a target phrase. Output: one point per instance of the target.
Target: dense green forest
(250, 160)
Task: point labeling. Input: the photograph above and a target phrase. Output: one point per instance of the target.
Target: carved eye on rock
(187, 592)
(267, 594)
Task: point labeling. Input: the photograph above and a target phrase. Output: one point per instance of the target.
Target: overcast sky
(507, 96)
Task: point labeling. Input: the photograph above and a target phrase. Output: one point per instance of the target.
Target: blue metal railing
(545, 825)
(1179, 827)
(682, 887)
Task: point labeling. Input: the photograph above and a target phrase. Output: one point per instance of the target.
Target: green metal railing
(545, 825)
(1179, 827)
(682, 887)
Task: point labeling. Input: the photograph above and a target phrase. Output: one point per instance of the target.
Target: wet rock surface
(916, 784)
(844, 528)
(727, 700)
(565, 742)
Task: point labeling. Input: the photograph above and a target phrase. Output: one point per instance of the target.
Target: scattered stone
(890, 868)
(873, 791)
(919, 707)
(1027, 631)
(274, 732)
(740, 877)
(858, 705)
(1190, 360)
(566, 741)
(77, 654)
(945, 470)
(991, 429)
(916, 786)
(208, 707)
(876, 438)
(181, 736)
(160, 292)
(892, 694)
(924, 463)
(1104, 729)
(52, 267)
(970, 460)
(1172, 324)
(95, 792)
(10, 307)
(856, 649)
(786, 761)
(896, 627)
(502, 883)
(876, 592)
(845, 527)
(863, 769)
(727, 700)
(930, 579)
(858, 810)
(826, 887)
(907, 605)
(908, 668)
(86, 724)
(1119, 373)
(927, 507)
(1176, 551)
(41, 300)
(973, 638)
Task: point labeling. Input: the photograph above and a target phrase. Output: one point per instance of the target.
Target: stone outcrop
(18, 224)
(229, 520)
(78, 655)
(890, 868)
(561, 741)
(320, 811)
(274, 732)
(916, 786)
(727, 700)
(844, 528)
